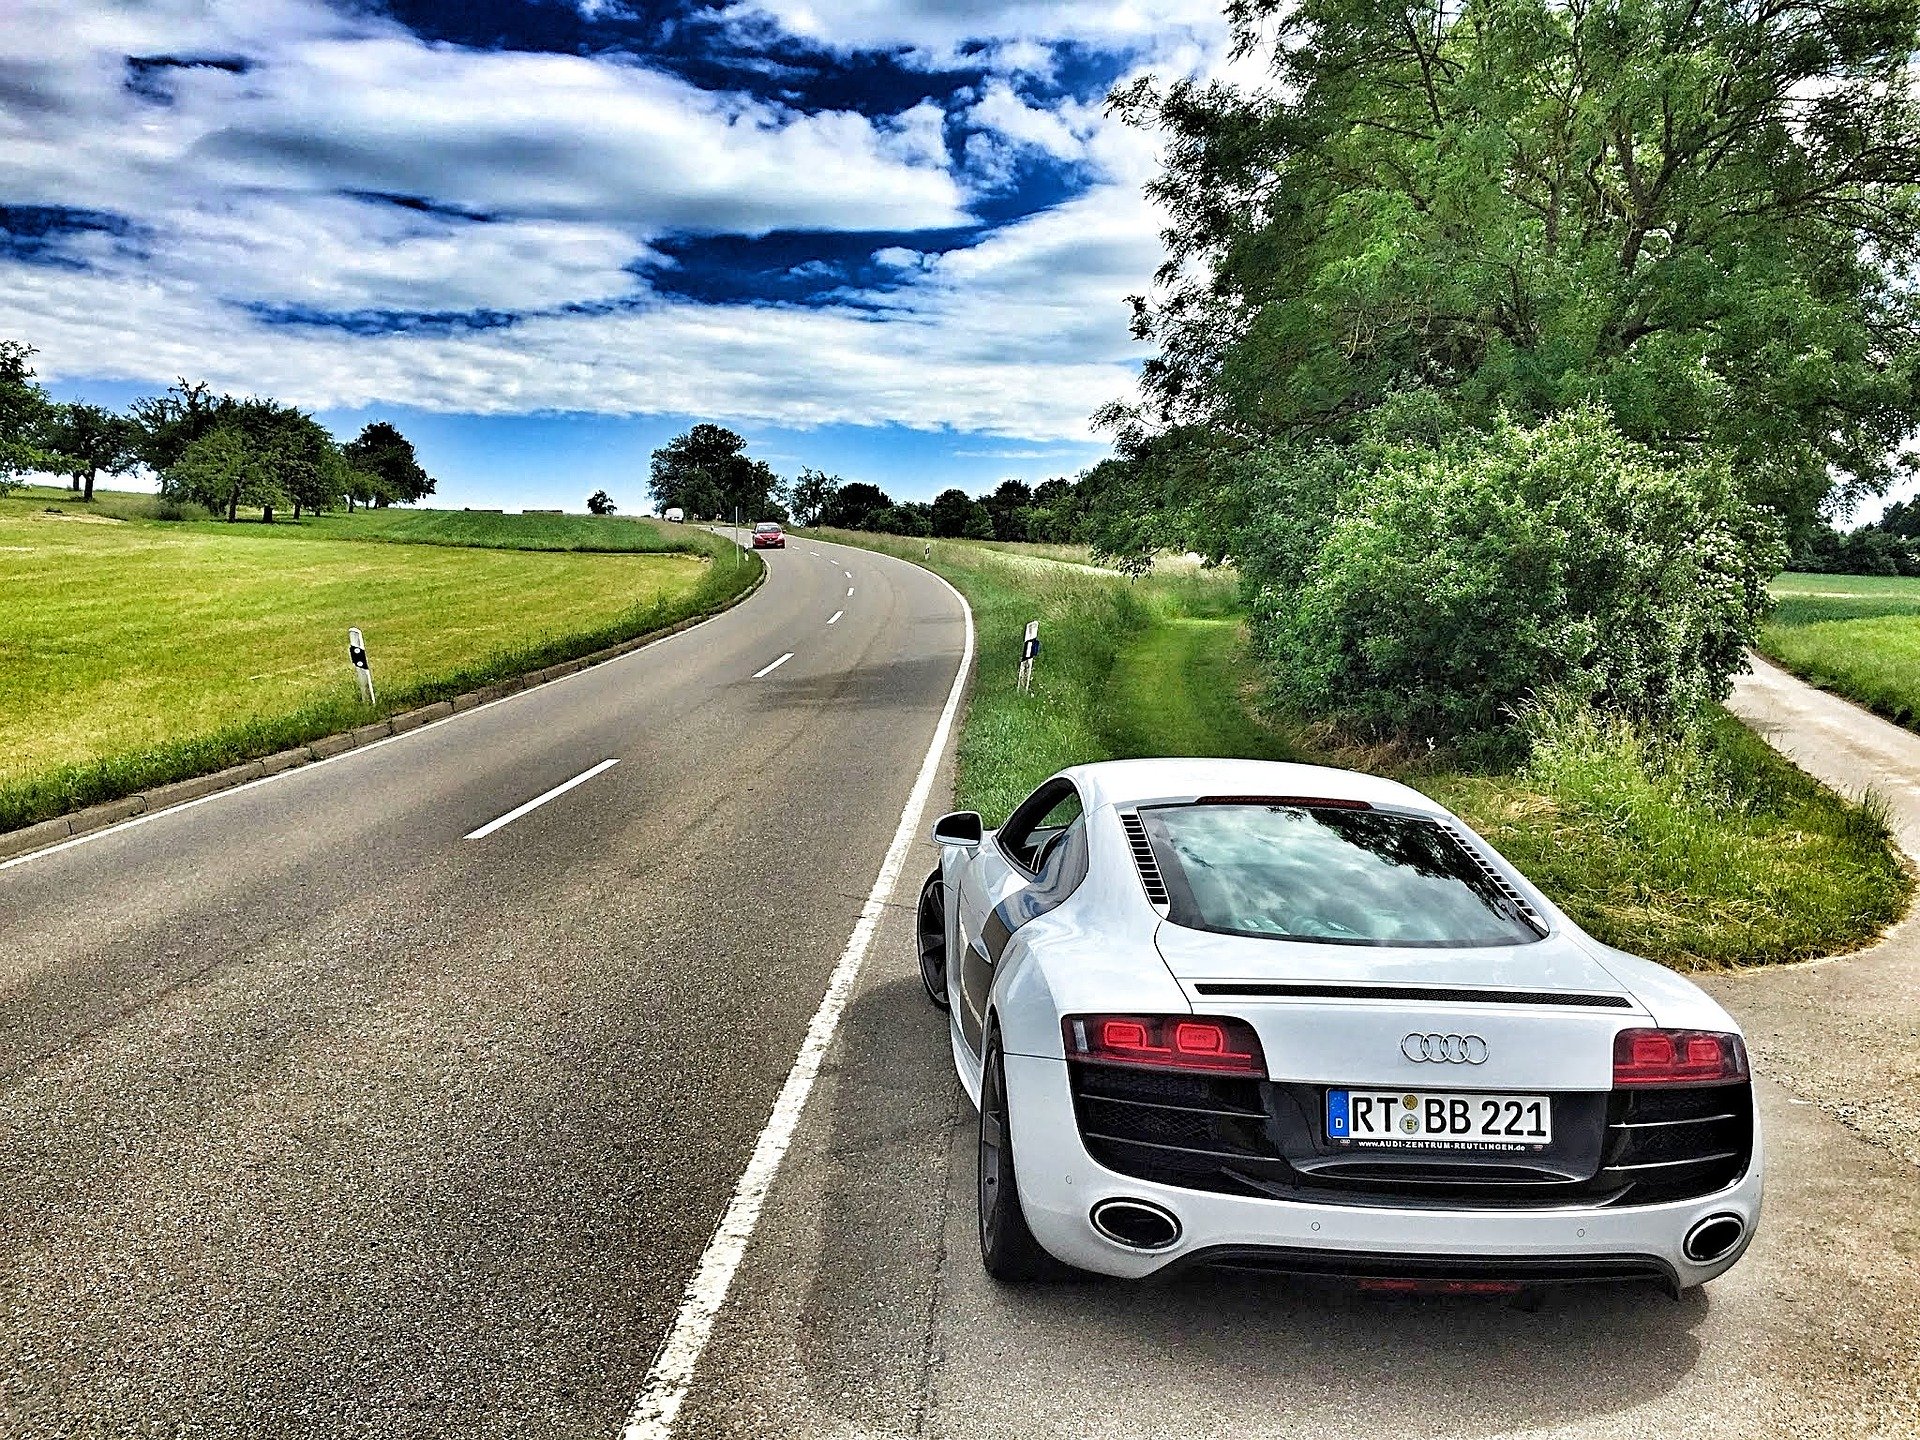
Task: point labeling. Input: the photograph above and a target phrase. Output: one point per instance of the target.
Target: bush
(1450, 580)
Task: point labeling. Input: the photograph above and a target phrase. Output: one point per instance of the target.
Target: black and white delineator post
(1029, 648)
(357, 652)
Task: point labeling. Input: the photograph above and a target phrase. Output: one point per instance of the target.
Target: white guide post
(357, 652)
(1029, 648)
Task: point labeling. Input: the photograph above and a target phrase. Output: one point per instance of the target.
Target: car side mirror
(962, 827)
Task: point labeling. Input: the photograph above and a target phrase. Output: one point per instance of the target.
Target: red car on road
(769, 536)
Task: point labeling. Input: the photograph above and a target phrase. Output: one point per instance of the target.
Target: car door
(1039, 838)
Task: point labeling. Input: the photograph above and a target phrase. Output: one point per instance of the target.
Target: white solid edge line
(431, 727)
(539, 800)
(769, 669)
(833, 618)
(672, 1373)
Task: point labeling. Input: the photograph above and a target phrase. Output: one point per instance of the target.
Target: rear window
(1336, 877)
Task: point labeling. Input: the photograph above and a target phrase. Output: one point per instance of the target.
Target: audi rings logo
(1445, 1049)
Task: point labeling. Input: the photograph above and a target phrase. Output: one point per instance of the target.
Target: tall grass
(1711, 853)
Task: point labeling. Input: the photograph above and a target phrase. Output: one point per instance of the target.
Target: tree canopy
(381, 453)
(24, 413)
(706, 471)
(1701, 215)
(90, 439)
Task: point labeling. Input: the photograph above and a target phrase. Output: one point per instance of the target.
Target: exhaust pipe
(1136, 1224)
(1712, 1238)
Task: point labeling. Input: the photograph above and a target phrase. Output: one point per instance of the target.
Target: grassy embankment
(1856, 635)
(1732, 858)
(134, 652)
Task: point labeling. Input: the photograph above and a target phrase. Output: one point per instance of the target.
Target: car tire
(1007, 1247)
(930, 938)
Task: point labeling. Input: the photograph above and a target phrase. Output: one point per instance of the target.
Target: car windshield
(1325, 874)
(766, 529)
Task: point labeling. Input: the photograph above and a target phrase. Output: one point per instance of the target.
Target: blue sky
(890, 238)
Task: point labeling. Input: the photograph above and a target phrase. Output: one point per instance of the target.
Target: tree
(900, 520)
(172, 422)
(24, 412)
(600, 503)
(813, 492)
(1007, 508)
(850, 505)
(1698, 215)
(381, 451)
(91, 439)
(957, 515)
(225, 469)
(706, 471)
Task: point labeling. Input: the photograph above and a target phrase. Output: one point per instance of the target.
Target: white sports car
(1301, 1019)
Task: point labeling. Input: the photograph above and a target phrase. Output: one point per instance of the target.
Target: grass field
(1725, 856)
(134, 652)
(1856, 635)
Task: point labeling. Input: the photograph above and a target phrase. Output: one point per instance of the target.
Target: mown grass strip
(137, 654)
(1856, 635)
(1735, 858)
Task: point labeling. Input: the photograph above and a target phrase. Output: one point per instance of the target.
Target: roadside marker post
(1029, 648)
(357, 652)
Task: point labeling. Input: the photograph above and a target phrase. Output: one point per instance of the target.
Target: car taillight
(1677, 1057)
(1166, 1042)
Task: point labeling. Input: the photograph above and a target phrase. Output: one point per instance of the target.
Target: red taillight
(1169, 1042)
(1677, 1057)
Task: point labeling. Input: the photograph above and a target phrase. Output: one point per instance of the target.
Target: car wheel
(930, 934)
(1007, 1246)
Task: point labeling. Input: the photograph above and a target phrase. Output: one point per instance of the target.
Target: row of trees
(222, 452)
(1502, 344)
(707, 472)
(1887, 546)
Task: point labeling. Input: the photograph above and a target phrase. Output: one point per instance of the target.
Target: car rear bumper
(1060, 1185)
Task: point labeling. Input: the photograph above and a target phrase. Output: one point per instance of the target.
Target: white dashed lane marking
(539, 800)
(768, 670)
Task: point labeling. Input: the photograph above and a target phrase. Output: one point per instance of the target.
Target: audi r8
(1302, 1019)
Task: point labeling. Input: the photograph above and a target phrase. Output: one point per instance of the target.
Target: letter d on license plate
(1439, 1118)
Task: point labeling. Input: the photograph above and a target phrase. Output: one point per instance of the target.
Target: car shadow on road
(1328, 1357)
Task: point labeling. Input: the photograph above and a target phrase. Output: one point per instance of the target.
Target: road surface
(336, 1106)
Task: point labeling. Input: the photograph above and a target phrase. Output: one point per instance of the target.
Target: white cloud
(939, 27)
(237, 190)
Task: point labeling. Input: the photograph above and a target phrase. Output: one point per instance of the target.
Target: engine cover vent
(1143, 860)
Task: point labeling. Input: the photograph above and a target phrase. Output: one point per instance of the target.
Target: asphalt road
(862, 1309)
(318, 1118)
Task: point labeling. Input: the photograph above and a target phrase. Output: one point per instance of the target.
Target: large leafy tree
(852, 505)
(226, 468)
(90, 439)
(813, 491)
(1700, 214)
(386, 457)
(24, 414)
(707, 471)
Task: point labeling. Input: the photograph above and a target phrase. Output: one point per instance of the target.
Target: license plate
(1431, 1119)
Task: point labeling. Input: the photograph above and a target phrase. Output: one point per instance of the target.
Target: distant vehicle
(1304, 1020)
(769, 536)
(673, 513)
